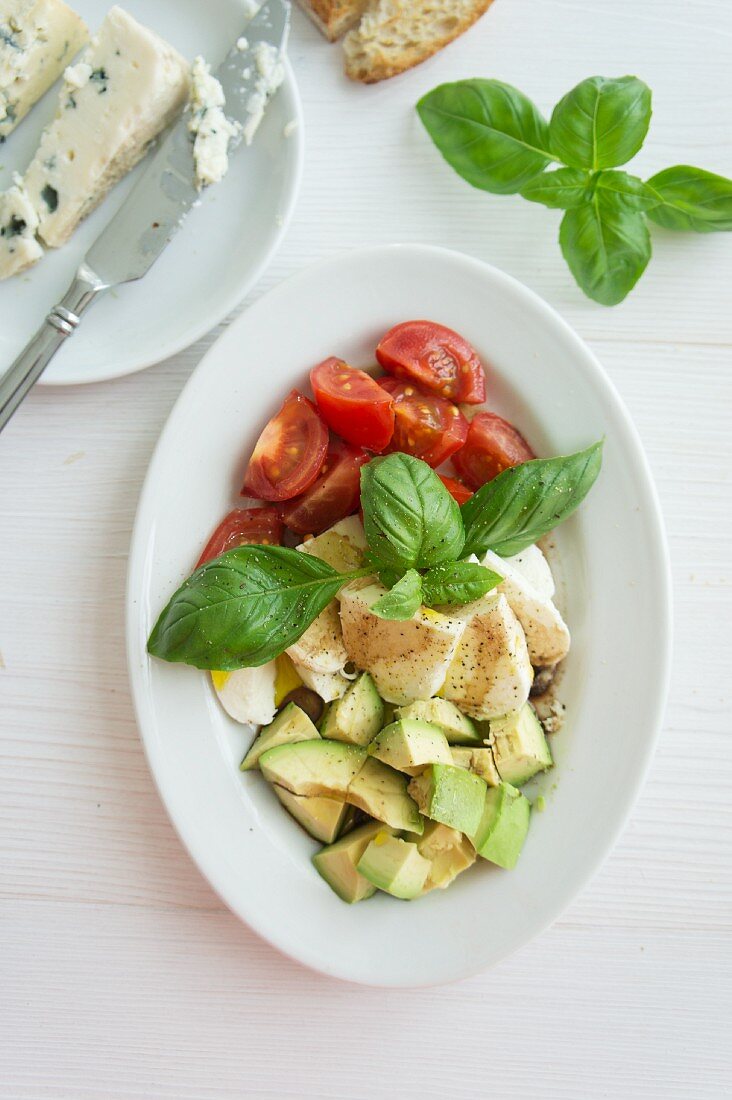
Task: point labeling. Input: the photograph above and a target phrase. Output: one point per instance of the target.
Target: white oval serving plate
(214, 259)
(613, 557)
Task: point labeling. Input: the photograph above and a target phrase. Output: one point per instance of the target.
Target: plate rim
(228, 304)
(659, 556)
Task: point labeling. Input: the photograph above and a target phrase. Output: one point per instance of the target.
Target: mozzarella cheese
(212, 131)
(128, 86)
(248, 695)
(525, 585)
(321, 647)
(491, 673)
(18, 223)
(37, 39)
(328, 685)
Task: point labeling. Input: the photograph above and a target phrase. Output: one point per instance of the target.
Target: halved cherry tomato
(492, 446)
(334, 494)
(244, 527)
(457, 490)
(289, 452)
(427, 427)
(436, 359)
(352, 404)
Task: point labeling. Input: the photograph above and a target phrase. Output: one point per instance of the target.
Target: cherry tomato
(244, 527)
(289, 452)
(492, 446)
(457, 490)
(436, 359)
(425, 426)
(353, 404)
(335, 493)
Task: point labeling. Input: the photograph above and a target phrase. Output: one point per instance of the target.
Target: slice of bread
(395, 35)
(334, 17)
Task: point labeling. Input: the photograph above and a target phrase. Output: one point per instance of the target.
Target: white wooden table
(121, 974)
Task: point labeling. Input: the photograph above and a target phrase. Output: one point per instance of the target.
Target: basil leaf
(690, 198)
(623, 191)
(457, 582)
(525, 502)
(607, 249)
(489, 132)
(244, 608)
(563, 189)
(404, 600)
(601, 122)
(410, 519)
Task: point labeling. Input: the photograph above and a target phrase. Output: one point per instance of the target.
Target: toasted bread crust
(334, 17)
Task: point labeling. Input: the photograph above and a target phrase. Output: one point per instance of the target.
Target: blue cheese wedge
(211, 129)
(18, 224)
(127, 87)
(38, 38)
(270, 72)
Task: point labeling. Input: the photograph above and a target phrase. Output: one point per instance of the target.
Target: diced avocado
(389, 711)
(290, 725)
(395, 866)
(410, 744)
(351, 818)
(503, 826)
(450, 795)
(520, 748)
(321, 817)
(479, 761)
(448, 851)
(357, 717)
(382, 793)
(458, 729)
(337, 863)
(313, 767)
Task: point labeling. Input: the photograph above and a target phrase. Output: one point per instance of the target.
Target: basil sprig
(403, 601)
(497, 140)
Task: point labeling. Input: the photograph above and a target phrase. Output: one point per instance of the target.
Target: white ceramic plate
(213, 260)
(617, 602)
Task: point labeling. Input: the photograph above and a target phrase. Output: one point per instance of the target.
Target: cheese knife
(155, 208)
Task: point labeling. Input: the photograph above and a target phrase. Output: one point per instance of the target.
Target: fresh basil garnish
(607, 249)
(559, 190)
(403, 601)
(601, 123)
(526, 502)
(457, 582)
(410, 519)
(623, 191)
(689, 198)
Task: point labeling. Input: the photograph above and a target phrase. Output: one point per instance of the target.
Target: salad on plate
(382, 612)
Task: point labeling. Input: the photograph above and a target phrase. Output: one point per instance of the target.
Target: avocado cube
(520, 748)
(290, 725)
(357, 717)
(410, 744)
(503, 826)
(394, 866)
(321, 817)
(319, 768)
(448, 851)
(382, 793)
(479, 761)
(450, 795)
(337, 863)
(458, 729)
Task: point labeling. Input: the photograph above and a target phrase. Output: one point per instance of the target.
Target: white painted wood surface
(121, 974)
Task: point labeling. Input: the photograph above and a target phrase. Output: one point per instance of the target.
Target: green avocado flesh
(394, 866)
(382, 793)
(337, 864)
(409, 745)
(291, 724)
(520, 748)
(357, 717)
(458, 729)
(479, 761)
(503, 826)
(323, 818)
(320, 768)
(448, 851)
(450, 795)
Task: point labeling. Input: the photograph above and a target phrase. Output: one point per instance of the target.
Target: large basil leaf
(411, 521)
(606, 247)
(623, 191)
(403, 601)
(560, 190)
(489, 132)
(526, 502)
(690, 198)
(457, 582)
(244, 608)
(601, 123)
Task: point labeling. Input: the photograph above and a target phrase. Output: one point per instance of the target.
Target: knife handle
(60, 323)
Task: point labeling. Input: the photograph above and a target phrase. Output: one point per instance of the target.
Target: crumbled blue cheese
(242, 43)
(127, 87)
(212, 131)
(270, 74)
(37, 38)
(18, 224)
